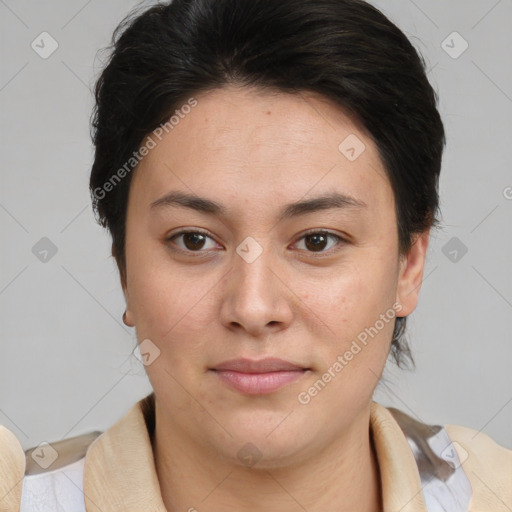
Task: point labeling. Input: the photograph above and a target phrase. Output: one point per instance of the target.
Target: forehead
(265, 147)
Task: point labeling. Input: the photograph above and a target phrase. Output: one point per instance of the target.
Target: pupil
(316, 246)
(193, 240)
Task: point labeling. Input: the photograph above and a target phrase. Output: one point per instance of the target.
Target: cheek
(175, 316)
(353, 353)
(170, 307)
(346, 315)
(353, 294)
(167, 306)
(155, 291)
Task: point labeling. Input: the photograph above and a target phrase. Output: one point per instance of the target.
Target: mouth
(254, 377)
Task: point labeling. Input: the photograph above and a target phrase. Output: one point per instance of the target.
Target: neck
(343, 477)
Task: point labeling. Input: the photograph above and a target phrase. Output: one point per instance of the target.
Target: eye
(191, 241)
(196, 241)
(316, 241)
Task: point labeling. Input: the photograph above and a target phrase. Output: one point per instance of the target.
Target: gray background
(65, 366)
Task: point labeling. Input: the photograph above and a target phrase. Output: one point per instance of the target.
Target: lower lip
(258, 383)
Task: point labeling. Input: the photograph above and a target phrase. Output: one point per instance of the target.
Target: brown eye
(191, 241)
(317, 241)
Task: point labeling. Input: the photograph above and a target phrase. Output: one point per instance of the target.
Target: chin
(263, 444)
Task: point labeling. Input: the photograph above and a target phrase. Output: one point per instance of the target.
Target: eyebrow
(207, 206)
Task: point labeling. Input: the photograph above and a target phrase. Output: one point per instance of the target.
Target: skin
(255, 151)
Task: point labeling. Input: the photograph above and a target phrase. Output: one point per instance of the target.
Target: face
(262, 268)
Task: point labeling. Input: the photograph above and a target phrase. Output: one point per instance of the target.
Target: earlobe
(127, 316)
(411, 273)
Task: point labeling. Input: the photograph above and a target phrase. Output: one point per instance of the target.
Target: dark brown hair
(345, 50)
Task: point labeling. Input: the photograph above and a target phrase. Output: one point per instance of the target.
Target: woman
(268, 171)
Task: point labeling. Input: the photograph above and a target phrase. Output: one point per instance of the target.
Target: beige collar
(12, 469)
(120, 474)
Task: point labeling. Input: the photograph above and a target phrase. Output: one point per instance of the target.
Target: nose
(255, 296)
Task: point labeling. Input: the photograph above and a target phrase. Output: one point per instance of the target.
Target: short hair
(345, 50)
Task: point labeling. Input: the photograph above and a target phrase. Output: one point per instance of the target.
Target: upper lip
(271, 364)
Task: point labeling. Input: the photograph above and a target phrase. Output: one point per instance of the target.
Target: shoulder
(487, 464)
(54, 474)
(12, 469)
(49, 473)
(460, 467)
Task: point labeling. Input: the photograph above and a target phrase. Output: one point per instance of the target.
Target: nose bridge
(251, 272)
(253, 297)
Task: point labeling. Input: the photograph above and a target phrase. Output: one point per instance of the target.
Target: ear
(411, 273)
(122, 275)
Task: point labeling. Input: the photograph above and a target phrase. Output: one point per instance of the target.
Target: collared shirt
(118, 472)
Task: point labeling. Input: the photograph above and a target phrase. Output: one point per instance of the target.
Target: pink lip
(258, 377)
(269, 364)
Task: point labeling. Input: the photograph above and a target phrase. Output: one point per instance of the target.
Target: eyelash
(199, 253)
